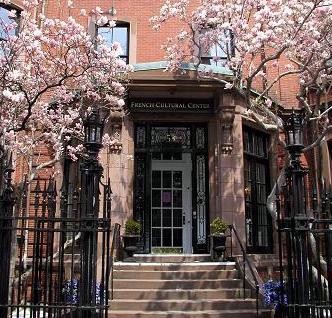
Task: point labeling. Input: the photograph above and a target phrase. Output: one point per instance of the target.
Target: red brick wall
(149, 42)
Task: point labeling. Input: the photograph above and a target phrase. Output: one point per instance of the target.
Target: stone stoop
(267, 266)
(180, 286)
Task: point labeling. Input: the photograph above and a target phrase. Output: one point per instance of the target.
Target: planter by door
(218, 246)
(130, 244)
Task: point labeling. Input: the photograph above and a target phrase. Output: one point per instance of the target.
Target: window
(256, 186)
(7, 17)
(120, 34)
(219, 53)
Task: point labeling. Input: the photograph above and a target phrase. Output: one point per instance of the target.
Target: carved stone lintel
(227, 116)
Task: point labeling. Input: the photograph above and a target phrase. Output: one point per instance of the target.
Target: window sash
(4, 17)
(219, 52)
(119, 33)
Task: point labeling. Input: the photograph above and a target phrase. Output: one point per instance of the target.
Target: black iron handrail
(115, 244)
(245, 260)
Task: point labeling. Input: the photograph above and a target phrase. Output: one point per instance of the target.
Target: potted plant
(218, 228)
(131, 236)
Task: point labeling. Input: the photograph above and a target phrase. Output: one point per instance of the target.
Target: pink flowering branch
(57, 61)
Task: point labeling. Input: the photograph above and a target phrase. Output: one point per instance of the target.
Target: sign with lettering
(170, 105)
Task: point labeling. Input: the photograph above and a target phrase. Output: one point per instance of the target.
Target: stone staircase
(180, 286)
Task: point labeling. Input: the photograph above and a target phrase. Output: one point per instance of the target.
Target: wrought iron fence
(55, 250)
(305, 237)
(307, 277)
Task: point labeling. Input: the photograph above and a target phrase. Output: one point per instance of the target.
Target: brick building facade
(184, 151)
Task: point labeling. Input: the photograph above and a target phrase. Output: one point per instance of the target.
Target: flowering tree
(254, 36)
(255, 39)
(51, 74)
(270, 41)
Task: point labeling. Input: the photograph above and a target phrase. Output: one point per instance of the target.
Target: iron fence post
(91, 171)
(7, 201)
(297, 221)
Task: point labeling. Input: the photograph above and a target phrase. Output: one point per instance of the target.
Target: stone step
(245, 313)
(183, 305)
(176, 284)
(199, 274)
(172, 258)
(170, 294)
(193, 266)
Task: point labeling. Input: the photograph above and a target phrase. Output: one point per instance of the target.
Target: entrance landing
(172, 258)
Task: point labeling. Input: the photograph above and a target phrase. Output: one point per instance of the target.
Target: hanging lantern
(93, 131)
(293, 124)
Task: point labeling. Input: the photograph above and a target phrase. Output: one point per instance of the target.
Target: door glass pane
(156, 217)
(167, 198)
(177, 179)
(167, 156)
(156, 156)
(156, 237)
(156, 198)
(156, 179)
(177, 237)
(167, 179)
(167, 237)
(167, 218)
(177, 156)
(177, 198)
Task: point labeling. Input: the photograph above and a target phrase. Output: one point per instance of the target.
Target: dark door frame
(142, 177)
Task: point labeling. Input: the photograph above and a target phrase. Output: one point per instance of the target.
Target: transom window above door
(167, 155)
(171, 136)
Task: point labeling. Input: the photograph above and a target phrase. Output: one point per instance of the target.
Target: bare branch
(319, 139)
(41, 166)
(325, 112)
(277, 79)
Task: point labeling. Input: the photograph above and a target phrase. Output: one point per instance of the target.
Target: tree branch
(319, 139)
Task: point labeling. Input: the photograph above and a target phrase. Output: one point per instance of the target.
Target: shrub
(132, 227)
(218, 226)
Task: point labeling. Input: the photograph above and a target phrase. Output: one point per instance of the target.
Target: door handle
(183, 220)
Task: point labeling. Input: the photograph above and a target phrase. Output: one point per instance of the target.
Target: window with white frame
(120, 34)
(220, 52)
(8, 15)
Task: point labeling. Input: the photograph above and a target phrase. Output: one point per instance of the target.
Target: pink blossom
(54, 73)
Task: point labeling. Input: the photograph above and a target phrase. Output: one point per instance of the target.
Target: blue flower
(272, 294)
(71, 291)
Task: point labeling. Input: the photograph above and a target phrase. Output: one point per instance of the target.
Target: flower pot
(218, 246)
(130, 244)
